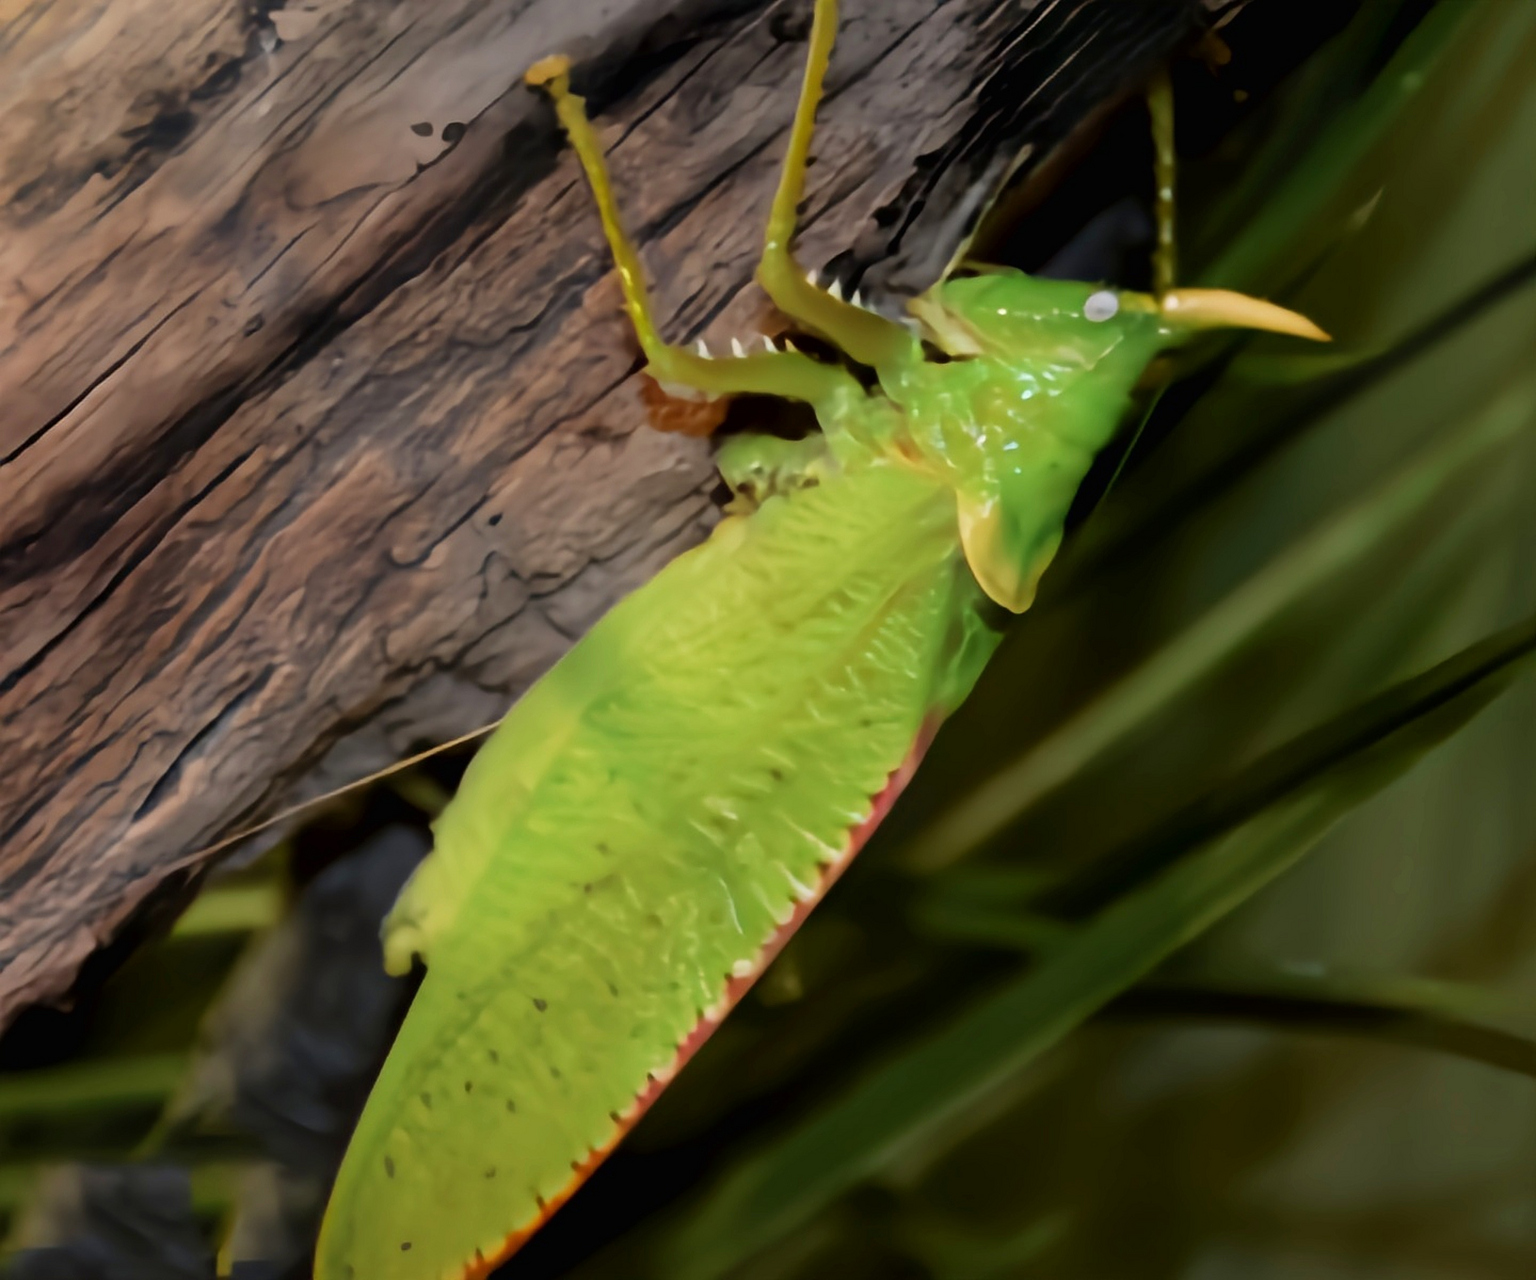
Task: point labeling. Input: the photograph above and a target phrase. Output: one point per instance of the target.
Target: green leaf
(124, 1082)
(1445, 1017)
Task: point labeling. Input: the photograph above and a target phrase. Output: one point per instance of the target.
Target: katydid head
(1002, 314)
(1052, 368)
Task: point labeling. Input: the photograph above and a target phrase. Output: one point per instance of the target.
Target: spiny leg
(780, 373)
(1165, 168)
(866, 337)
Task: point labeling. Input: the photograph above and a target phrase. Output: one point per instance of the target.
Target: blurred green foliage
(1205, 943)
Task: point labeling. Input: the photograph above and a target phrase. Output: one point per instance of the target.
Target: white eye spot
(1103, 305)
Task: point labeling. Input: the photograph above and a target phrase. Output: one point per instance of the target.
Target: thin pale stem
(1165, 169)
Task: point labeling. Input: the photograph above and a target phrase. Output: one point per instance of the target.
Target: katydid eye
(1101, 306)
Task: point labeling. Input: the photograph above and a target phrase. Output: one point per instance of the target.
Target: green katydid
(656, 816)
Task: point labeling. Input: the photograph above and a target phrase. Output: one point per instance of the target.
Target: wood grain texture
(320, 419)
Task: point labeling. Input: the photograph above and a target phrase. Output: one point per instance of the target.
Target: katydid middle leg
(864, 336)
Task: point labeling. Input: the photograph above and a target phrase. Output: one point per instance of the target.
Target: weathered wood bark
(319, 433)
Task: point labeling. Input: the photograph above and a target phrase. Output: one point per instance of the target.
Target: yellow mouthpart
(1224, 309)
(1000, 574)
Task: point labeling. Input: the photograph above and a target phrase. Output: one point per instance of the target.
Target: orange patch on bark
(684, 416)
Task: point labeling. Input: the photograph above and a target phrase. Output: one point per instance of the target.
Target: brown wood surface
(319, 422)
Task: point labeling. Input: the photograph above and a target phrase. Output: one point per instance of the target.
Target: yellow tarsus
(547, 69)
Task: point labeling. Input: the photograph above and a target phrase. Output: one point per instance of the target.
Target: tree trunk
(321, 420)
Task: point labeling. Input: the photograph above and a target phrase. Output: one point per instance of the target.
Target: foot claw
(703, 350)
(737, 349)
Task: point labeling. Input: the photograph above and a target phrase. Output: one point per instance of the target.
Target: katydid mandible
(656, 816)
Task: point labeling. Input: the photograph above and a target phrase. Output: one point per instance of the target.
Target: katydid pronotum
(656, 816)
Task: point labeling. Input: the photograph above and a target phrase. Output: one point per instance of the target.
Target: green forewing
(633, 836)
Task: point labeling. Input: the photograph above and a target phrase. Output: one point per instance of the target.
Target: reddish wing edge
(481, 1265)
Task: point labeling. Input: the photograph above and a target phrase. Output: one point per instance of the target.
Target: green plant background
(1204, 945)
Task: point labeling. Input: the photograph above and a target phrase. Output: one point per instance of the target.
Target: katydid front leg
(780, 373)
